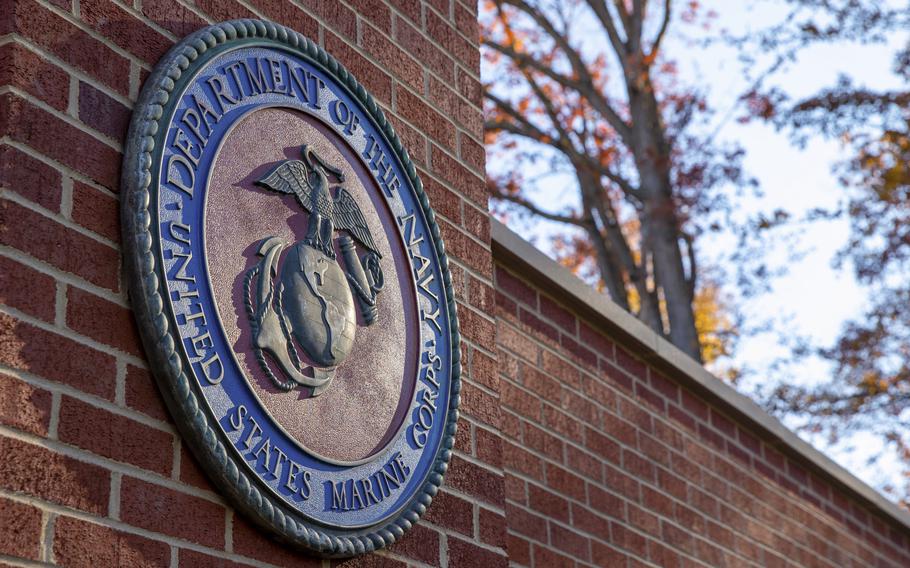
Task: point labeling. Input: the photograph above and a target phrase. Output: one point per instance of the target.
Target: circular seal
(291, 287)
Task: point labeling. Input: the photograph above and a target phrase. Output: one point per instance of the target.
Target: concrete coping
(517, 253)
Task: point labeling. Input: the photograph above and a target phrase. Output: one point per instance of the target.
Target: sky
(813, 298)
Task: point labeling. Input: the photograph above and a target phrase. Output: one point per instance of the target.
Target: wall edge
(513, 251)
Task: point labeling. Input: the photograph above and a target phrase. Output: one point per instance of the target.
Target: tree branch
(577, 221)
(600, 10)
(587, 90)
(664, 24)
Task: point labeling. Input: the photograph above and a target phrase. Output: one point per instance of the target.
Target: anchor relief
(300, 298)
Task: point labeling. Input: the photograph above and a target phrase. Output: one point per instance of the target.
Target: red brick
(289, 15)
(409, 8)
(469, 87)
(415, 145)
(441, 6)
(28, 290)
(519, 550)
(643, 520)
(543, 330)
(510, 338)
(623, 537)
(103, 113)
(252, 542)
(557, 314)
(115, 437)
(604, 555)
(582, 354)
(522, 402)
(479, 404)
(191, 558)
(579, 406)
(551, 559)
(425, 118)
(492, 528)
(374, 79)
(542, 441)
(20, 525)
(123, 29)
(595, 340)
(602, 445)
(24, 406)
(630, 364)
(56, 358)
(191, 473)
(96, 211)
(466, 22)
(462, 112)
(489, 446)
(451, 512)
(60, 141)
(476, 481)
(415, 43)
(25, 70)
(30, 178)
(475, 156)
(142, 394)
(605, 503)
(662, 555)
(657, 402)
(616, 375)
(584, 463)
(81, 543)
(484, 369)
(516, 489)
(49, 476)
(469, 184)
(340, 18)
(597, 391)
(393, 58)
(562, 423)
(220, 10)
(172, 16)
(468, 555)
(638, 466)
(565, 482)
(55, 34)
(445, 35)
(515, 287)
(547, 503)
(590, 522)
(419, 543)
(637, 415)
(102, 320)
(464, 437)
(557, 366)
(570, 542)
(152, 507)
(538, 382)
(526, 523)
(368, 561)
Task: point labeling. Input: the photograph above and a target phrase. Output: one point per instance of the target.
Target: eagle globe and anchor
(299, 299)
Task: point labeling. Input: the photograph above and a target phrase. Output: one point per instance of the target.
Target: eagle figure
(306, 179)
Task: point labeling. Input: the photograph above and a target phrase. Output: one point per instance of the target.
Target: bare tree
(585, 85)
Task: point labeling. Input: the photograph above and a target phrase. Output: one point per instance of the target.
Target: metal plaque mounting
(291, 287)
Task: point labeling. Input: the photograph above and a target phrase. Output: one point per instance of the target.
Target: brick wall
(614, 461)
(92, 470)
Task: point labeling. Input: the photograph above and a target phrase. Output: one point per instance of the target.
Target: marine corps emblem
(291, 288)
(312, 306)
